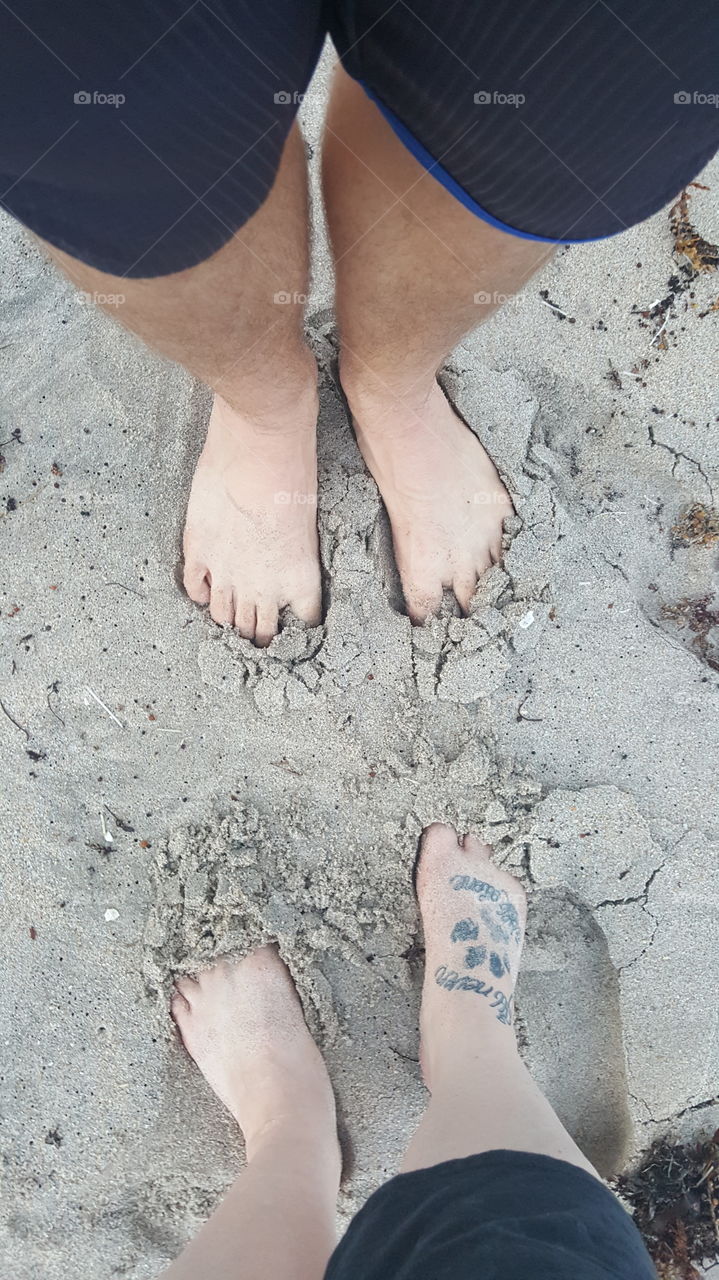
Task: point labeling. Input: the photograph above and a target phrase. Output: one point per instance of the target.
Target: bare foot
(473, 916)
(250, 542)
(243, 1025)
(445, 500)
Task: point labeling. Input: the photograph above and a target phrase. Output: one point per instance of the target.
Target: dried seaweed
(696, 526)
(673, 1194)
(699, 257)
(700, 254)
(700, 619)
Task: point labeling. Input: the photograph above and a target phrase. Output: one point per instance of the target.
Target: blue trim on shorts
(450, 184)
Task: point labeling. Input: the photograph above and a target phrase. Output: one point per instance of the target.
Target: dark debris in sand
(696, 256)
(701, 619)
(696, 526)
(688, 243)
(674, 1195)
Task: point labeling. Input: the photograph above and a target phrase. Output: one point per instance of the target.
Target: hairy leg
(244, 1027)
(236, 322)
(483, 1097)
(411, 262)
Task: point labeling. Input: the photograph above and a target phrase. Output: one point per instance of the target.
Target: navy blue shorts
(503, 1215)
(140, 136)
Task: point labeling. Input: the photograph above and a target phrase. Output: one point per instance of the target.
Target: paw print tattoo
(465, 931)
(475, 956)
(468, 931)
(489, 941)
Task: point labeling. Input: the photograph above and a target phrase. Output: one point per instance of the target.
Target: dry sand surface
(171, 793)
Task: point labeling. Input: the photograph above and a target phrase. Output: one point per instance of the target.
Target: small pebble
(112, 914)
(527, 620)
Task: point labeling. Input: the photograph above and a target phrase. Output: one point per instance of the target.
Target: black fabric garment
(140, 137)
(502, 1215)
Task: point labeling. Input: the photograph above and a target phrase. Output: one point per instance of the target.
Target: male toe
(222, 606)
(196, 582)
(245, 619)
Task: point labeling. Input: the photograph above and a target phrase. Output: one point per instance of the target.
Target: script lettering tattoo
(486, 892)
(503, 1007)
(453, 981)
(450, 980)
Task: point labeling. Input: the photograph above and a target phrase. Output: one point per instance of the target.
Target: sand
(171, 793)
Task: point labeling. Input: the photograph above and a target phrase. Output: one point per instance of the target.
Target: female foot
(473, 915)
(243, 1024)
(443, 495)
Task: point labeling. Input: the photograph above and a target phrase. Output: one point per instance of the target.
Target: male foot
(444, 497)
(243, 1024)
(473, 915)
(251, 545)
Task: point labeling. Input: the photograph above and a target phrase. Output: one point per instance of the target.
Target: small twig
(553, 307)
(53, 688)
(285, 764)
(134, 590)
(121, 822)
(659, 332)
(104, 706)
(12, 720)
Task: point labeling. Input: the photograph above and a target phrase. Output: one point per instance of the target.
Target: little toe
(179, 1006)
(196, 583)
(186, 987)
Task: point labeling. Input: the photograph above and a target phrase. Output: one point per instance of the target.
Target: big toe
(439, 843)
(446, 861)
